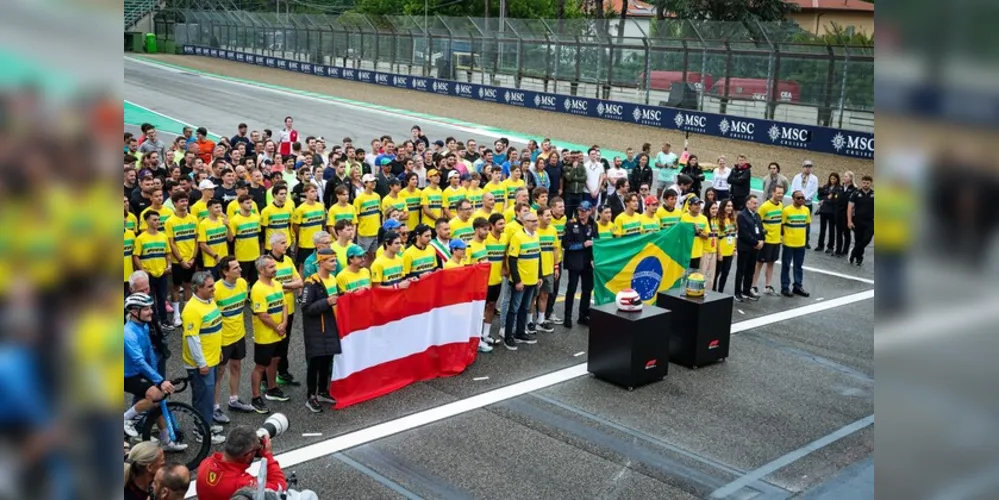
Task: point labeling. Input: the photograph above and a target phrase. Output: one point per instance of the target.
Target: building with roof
(819, 16)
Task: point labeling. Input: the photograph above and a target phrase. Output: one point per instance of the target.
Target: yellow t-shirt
(349, 281)
(498, 190)
(711, 245)
(727, 233)
(627, 225)
(482, 213)
(184, 232)
(152, 252)
(701, 223)
(386, 271)
(450, 264)
(650, 224)
(476, 252)
(231, 302)
(414, 200)
(233, 208)
(668, 218)
(510, 215)
(605, 231)
(129, 246)
(200, 210)
(416, 262)
(474, 195)
(496, 248)
(165, 214)
(131, 223)
(433, 199)
(398, 203)
(205, 321)
(527, 250)
(246, 231)
(266, 299)
(560, 226)
(287, 272)
(215, 235)
(341, 255)
(451, 196)
(772, 216)
(340, 212)
(795, 222)
(310, 219)
(275, 219)
(462, 230)
(369, 214)
(551, 249)
(512, 186)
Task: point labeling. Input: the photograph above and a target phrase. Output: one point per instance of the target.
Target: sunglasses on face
(799, 198)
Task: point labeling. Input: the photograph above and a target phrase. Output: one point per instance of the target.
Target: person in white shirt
(614, 173)
(288, 136)
(720, 182)
(807, 183)
(666, 169)
(595, 176)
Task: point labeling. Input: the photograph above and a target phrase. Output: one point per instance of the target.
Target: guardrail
(770, 132)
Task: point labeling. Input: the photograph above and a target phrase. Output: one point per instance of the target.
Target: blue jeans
(796, 257)
(203, 392)
(520, 307)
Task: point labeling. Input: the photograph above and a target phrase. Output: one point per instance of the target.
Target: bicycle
(191, 422)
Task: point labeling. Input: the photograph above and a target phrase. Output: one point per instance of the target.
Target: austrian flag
(393, 338)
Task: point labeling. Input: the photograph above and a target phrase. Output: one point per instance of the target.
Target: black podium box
(701, 327)
(629, 349)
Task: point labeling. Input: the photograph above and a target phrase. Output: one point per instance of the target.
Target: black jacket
(697, 175)
(578, 257)
(843, 202)
(751, 231)
(740, 180)
(318, 320)
(640, 176)
(329, 193)
(829, 206)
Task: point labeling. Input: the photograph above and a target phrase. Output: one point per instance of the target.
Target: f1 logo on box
(514, 97)
(853, 145)
(648, 116)
(441, 87)
(691, 122)
(463, 90)
(795, 137)
(738, 129)
(420, 84)
(576, 106)
(381, 79)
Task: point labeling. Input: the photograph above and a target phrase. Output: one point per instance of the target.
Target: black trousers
(572, 202)
(319, 370)
(808, 228)
(282, 347)
(863, 232)
(249, 272)
(745, 267)
(722, 272)
(828, 222)
(842, 234)
(570, 292)
(550, 307)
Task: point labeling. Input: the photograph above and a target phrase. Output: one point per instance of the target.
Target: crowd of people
(285, 225)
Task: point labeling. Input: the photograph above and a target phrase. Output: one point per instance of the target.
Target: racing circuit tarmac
(789, 414)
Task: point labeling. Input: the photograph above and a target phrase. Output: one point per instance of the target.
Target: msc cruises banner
(793, 135)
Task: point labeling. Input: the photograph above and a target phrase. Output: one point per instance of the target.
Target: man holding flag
(647, 263)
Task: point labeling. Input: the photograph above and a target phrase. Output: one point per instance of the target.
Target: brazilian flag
(648, 263)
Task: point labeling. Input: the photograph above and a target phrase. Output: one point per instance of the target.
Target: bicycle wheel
(187, 420)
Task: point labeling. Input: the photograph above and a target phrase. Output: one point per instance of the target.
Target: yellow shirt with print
(414, 202)
(481, 213)
(450, 264)
(129, 247)
(202, 319)
(349, 281)
(795, 221)
(246, 231)
(274, 220)
(184, 232)
(396, 202)
(498, 190)
(650, 224)
(310, 219)
(772, 215)
(386, 271)
(605, 231)
(462, 230)
(559, 224)
(701, 224)
(231, 301)
(215, 235)
(165, 214)
(417, 262)
(369, 214)
(476, 252)
(668, 218)
(131, 222)
(512, 186)
(527, 250)
(727, 234)
(433, 199)
(474, 195)
(496, 253)
(341, 255)
(340, 212)
(233, 208)
(627, 225)
(287, 272)
(551, 249)
(200, 210)
(266, 299)
(451, 196)
(152, 250)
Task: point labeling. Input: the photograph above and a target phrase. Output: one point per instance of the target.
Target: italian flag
(393, 338)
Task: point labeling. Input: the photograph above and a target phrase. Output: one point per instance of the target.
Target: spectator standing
(202, 348)
(554, 171)
(666, 169)
(740, 181)
(860, 218)
(842, 219)
(749, 241)
(642, 174)
(795, 221)
(727, 233)
(288, 136)
(578, 244)
(595, 174)
(614, 173)
(153, 144)
(720, 181)
(828, 198)
(322, 342)
(808, 184)
(574, 178)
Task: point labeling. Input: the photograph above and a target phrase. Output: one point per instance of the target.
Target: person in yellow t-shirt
(702, 230)
(649, 218)
(488, 207)
(244, 229)
(231, 295)
(213, 236)
(472, 189)
(452, 195)
(355, 278)
(129, 244)
(457, 259)
(522, 196)
(306, 222)
(477, 251)
(795, 220)
(386, 270)
(131, 222)
(149, 254)
(709, 259)
(513, 184)
(496, 188)
(420, 258)
(461, 224)
(234, 207)
(629, 222)
(551, 260)
(496, 245)
(728, 231)
(605, 225)
(394, 199)
(341, 210)
(414, 200)
(669, 214)
(433, 199)
(291, 282)
(202, 345)
(524, 256)
(182, 234)
(369, 216)
(156, 197)
(200, 207)
(270, 325)
(772, 214)
(276, 217)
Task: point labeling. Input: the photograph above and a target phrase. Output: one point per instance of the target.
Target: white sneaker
(554, 319)
(176, 318)
(217, 429)
(484, 347)
(172, 447)
(130, 429)
(216, 438)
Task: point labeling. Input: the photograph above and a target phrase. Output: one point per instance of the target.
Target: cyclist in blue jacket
(141, 378)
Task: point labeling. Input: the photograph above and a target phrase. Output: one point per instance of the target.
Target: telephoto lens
(274, 426)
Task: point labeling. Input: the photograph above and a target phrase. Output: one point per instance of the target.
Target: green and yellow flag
(648, 264)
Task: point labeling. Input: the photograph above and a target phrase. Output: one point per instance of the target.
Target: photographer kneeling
(222, 474)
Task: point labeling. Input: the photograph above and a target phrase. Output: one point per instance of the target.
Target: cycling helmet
(138, 301)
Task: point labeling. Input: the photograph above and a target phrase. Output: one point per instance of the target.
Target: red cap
(649, 200)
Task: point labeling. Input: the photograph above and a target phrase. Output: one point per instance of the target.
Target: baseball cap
(695, 200)
(585, 206)
(355, 251)
(391, 225)
(649, 200)
(432, 172)
(452, 174)
(457, 244)
(384, 161)
(466, 177)
(241, 184)
(439, 144)
(807, 163)
(207, 184)
(367, 178)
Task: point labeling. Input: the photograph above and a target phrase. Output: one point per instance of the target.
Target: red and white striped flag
(392, 338)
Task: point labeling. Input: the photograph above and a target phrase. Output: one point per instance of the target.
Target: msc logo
(364, 76)
(575, 105)
(544, 101)
(270, 61)
(740, 129)
(488, 94)
(333, 72)
(306, 68)
(399, 81)
(240, 56)
(348, 74)
(319, 70)
(282, 63)
(215, 53)
(381, 79)
(420, 84)
(790, 136)
(441, 87)
(259, 59)
(463, 89)
(690, 121)
(647, 115)
(188, 49)
(854, 145)
(293, 66)
(514, 97)
(609, 110)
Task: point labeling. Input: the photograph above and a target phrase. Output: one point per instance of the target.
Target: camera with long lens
(274, 426)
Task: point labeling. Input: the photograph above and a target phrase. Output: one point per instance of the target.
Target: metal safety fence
(755, 70)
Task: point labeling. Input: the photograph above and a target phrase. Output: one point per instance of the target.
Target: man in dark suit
(749, 242)
(616, 200)
(578, 244)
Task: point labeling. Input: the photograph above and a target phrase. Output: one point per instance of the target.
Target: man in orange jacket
(222, 474)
